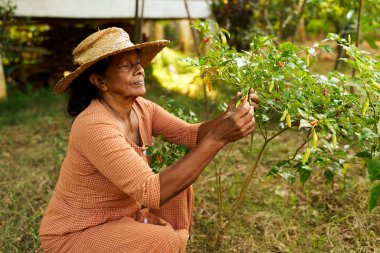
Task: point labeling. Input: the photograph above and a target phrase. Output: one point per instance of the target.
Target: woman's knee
(167, 241)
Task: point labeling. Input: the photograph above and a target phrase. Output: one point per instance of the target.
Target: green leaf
(372, 42)
(305, 172)
(303, 113)
(364, 154)
(326, 48)
(374, 170)
(287, 176)
(329, 176)
(374, 197)
(304, 123)
(366, 134)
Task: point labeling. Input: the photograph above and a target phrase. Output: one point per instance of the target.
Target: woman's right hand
(234, 124)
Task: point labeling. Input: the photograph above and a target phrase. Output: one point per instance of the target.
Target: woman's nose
(139, 69)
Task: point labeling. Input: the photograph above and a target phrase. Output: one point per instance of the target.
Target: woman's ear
(98, 81)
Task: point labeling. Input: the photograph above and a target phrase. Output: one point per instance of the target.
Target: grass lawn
(275, 216)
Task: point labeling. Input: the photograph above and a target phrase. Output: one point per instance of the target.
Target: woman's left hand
(254, 100)
(208, 126)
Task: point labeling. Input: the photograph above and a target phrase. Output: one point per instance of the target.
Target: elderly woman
(107, 199)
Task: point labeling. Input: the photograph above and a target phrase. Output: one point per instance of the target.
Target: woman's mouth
(138, 83)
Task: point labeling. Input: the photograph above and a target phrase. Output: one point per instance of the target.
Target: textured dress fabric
(107, 197)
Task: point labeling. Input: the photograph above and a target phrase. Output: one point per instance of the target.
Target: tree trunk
(358, 30)
(185, 40)
(137, 30)
(158, 31)
(300, 32)
(301, 9)
(141, 39)
(3, 86)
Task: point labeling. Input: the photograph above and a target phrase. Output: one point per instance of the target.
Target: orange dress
(107, 197)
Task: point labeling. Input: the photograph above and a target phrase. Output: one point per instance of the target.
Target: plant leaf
(287, 176)
(374, 197)
(305, 172)
(329, 176)
(364, 154)
(374, 170)
(304, 123)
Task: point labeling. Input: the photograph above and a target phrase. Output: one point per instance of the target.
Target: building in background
(66, 23)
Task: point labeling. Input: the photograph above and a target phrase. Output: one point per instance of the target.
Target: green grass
(275, 216)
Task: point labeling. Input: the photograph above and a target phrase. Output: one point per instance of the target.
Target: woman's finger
(255, 105)
(233, 101)
(254, 98)
(242, 110)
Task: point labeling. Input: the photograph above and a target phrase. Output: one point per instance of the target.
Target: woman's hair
(82, 91)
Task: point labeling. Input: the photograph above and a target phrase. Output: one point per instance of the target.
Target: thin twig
(301, 146)
(278, 133)
(358, 28)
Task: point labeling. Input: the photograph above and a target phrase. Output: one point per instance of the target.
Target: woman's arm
(230, 126)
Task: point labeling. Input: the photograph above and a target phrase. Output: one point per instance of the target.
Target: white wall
(155, 9)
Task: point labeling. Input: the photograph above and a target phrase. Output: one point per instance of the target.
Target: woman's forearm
(184, 172)
(207, 126)
(212, 136)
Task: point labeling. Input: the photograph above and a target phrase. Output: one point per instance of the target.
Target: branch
(303, 144)
(277, 134)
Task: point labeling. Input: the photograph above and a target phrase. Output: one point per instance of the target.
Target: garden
(306, 180)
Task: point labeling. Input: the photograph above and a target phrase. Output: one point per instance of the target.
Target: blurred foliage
(175, 75)
(24, 42)
(246, 18)
(18, 37)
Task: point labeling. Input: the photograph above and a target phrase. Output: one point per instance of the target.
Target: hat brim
(148, 50)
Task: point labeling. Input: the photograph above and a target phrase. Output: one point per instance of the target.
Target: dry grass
(275, 216)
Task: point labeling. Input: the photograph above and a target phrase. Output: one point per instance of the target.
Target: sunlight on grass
(174, 74)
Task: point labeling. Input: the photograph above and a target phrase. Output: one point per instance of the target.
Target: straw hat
(102, 44)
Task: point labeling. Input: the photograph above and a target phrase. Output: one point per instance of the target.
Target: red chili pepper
(324, 92)
(314, 122)
(244, 100)
(206, 40)
(159, 158)
(280, 64)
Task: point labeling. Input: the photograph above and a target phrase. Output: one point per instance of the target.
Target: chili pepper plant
(163, 154)
(332, 119)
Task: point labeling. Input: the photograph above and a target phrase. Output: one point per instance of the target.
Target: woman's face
(124, 77)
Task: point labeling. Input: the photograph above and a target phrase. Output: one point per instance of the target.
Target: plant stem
(301, 146)
(218, 173)
(253, 169)
(219, 181)
(261, 131)
(358, 30)
(375, 117)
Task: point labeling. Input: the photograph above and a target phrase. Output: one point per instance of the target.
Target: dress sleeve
(173, 128)
(104, 145)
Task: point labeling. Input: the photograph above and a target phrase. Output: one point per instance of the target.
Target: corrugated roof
(153, 9)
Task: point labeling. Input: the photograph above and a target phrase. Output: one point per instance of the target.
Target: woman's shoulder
(146, 104)
(95, 113)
